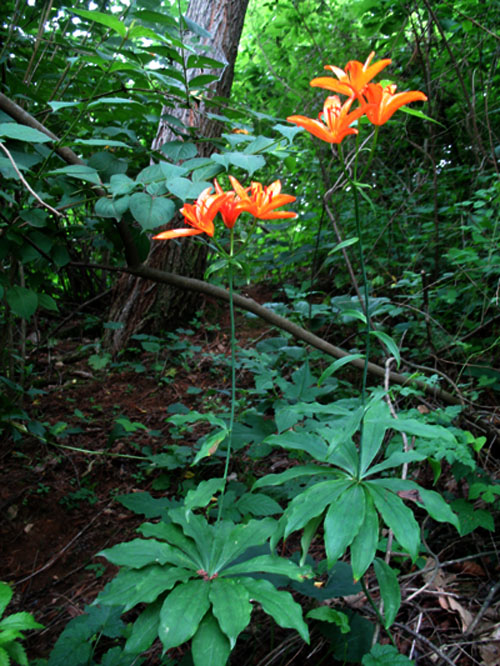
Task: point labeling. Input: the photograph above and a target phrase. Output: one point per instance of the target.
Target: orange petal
(177, 233)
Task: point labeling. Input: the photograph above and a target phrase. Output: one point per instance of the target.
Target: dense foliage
(393, 255)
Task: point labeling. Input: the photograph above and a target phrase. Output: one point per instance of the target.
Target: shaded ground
(58, 507)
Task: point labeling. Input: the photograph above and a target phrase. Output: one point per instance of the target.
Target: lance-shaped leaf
(292, 473)
(342, 522)
(397, 516)
(269, 564)
(141, 586)
(312, 502)
(210, 646)
(278, 604)
(182, 612)
(389, 590)
(231, 606)
(364, 545)
(140, 552)
(234, 540)
(300, 441)
(145, 629)
(174, 536)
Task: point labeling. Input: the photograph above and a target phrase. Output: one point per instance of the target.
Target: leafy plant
(11, 630)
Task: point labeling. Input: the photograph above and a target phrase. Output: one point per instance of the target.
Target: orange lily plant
(375, 101)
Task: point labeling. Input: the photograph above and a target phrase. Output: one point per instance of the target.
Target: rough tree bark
(135, 300)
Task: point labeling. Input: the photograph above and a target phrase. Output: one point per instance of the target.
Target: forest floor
(59, 508)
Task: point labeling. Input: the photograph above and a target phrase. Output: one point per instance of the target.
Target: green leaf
(257, 504)
(202, 80)
(23, 133)
(389, 590)
(6, 594)
(145, 629)
(179, 150)
(196, 28)
(300, 441)
(151, 212)
(184, 189)
(364, 545)
(182, 612)
(203, 493)
(210, 646)
(233, 540)
(278, 604)
(140, 552)
(130, 588)
(101, 142)
(385, 655)
(249, 163)
(343, 244)
(20, 622)
(268, 564)
(287, 131)
(120, 184)
(389, 343)
(290, 474)
(80, 171)
(175, 536)
(112, 207)
(23, 302)
(343, 521)
(231, 606)
(47, 302)
(312, 502)
(327, 614)
(336, 365)
(108, 20)
(397, 516)
(307, 536)
(396, 460)
(4, 657)
(374, 429)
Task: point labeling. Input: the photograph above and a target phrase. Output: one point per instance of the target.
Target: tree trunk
(137, 302)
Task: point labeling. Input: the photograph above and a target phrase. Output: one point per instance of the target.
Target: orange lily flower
(232, 207)
(383, 102)
(336, 118)
(354, 79)
(263, 201)
(199, 215)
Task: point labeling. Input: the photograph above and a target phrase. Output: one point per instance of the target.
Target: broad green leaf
(234, 540)
(336, 365)
(196, 28)
(140, 552)
(133, 587)
(194, 417)
(108, 20)
(151, 212)
(385, 655)
(300, 441)
(145, 629)
(120, 184)
(287, 131)
(184, 189)
(364, 545)
(231, 606)
(354, 314)
(327, 614)
(268, 564)
(23, 302)
(47, 302)
(175, 536)
(419, 429)
(101, 142)
(23, 133)
(290, 474)
(202, 80)
(115, 208)
(203, 493)
(342, 522)
(80, 171)
(210, 445)
(210, 647)
(312, 502)
(389, 343)
(179, 150)
(19, 622)
(258, 504)
(397, 516)
(249, 163)
(278, 604)
(389, 590)
(396, 460)
(201, 62)
(182, 612)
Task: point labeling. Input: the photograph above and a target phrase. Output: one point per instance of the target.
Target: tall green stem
(233, 373)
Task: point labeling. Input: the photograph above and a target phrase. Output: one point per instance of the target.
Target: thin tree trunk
(138, 303)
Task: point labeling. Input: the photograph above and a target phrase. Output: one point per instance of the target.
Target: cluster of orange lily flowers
(259, 201)
(378, 103)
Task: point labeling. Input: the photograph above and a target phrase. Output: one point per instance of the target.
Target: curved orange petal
(177, 233)
(315, 127)
(332, 84)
